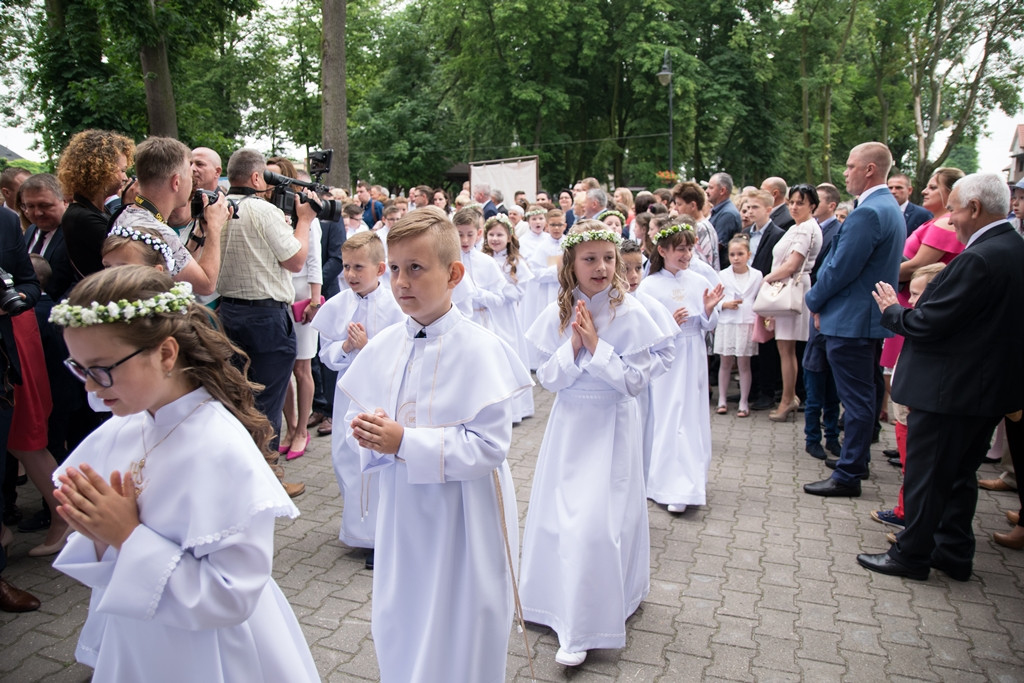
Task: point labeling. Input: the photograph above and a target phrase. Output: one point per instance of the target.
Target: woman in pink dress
(935, 241)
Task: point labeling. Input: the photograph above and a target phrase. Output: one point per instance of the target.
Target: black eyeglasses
(98, 373)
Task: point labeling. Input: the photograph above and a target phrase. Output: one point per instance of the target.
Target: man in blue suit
(913, 215)
(866, 249)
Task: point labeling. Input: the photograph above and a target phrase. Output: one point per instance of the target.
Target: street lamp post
(665, 78)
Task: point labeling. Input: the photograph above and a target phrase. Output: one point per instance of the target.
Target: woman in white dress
(682, 420)
(793, 257)
(171, 498)
(586, 548)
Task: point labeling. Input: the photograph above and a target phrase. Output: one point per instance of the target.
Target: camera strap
(139, 201)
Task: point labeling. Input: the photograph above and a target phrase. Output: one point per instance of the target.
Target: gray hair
(723, 179)
(497, 196)
(483, 188)
(244, 163)
(41, 181)
(988, 189)
(598, 195)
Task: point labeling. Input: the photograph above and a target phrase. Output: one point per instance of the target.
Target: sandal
(742, 413)
(722, 410)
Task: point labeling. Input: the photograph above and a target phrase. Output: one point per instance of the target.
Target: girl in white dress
(586, 548)
(543, 259)
(734, 336)
(682, 421)
(500, 242)
(172, 499)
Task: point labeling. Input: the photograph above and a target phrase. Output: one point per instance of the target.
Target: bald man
(779, 191)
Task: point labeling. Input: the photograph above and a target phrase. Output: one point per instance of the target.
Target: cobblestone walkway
(760, 585)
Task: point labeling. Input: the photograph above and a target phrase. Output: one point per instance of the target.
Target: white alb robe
(544, 260)
(664, 354)
(376, 311)
(442, 587)
(681, 454)
(189, 596)
(488, 285)
(586, 547)
(507, 324)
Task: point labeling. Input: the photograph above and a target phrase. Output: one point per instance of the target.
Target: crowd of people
(407, 329)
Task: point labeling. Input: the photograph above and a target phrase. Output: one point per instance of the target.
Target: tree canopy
(760, 88)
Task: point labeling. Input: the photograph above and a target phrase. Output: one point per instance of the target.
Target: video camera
(283, 197)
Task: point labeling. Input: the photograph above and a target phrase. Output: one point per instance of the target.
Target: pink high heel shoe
(298, 454)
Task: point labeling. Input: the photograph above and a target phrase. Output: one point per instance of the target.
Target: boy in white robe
(483, 275)
(346, 323)
(432, 413)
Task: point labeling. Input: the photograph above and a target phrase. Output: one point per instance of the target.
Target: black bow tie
(422, 334)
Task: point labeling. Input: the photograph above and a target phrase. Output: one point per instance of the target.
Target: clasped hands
(377, 432)
(584, 332)
(105, 513)
(356, 338)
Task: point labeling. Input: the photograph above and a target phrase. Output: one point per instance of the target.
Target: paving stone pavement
(759, 585)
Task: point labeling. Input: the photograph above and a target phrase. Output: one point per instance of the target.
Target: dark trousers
(6, 414)
(1015, 442)
(324, 382)
(821, 405)
(267, 335)
(853, 366)
(940, 489)
(766, 370)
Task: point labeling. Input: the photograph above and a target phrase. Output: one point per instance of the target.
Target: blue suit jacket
(915, 216)
(867, 248)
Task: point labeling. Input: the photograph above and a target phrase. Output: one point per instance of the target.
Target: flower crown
(177, 300)
(672, 230)
(500, 218)
(153, 242)
(572, 239)
(611, 212)
(535, 212)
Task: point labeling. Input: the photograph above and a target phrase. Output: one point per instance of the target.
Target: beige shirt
(252, 248)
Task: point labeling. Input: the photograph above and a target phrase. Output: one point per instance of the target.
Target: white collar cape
(381, 311)
(628, 327)
(464, 368)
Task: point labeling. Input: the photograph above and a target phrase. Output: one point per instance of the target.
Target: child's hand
(378, 432)
(105, 513)
(712, 297)
(732, 305)
(357, 335)
(584, 326)
(681, 315)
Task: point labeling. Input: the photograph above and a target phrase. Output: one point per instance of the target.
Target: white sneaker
(676, 508)
(567, 658)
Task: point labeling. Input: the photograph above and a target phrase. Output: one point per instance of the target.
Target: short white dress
(734, 335)
(311, 273)
(804, 238)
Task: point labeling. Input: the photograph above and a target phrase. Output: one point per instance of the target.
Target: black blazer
(762, 260)
(56, 254)
(14, 259)
(962, 351)
(780, 217)
(915, 216)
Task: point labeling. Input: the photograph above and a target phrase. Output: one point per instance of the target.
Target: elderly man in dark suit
(960, 371)
(866, 249)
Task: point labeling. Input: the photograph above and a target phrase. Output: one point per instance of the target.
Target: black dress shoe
(883, 564)
(762, 404)
(831, 464)
(369, 560)
(37, 522)
(952, 571)
(834, 447)
(815, 450)
(891, 453)
(832, 488)
(895, 462)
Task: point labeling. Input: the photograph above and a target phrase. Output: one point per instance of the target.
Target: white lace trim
(164, 578)
(279, 510)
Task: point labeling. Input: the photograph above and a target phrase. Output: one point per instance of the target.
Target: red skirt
(32, 401)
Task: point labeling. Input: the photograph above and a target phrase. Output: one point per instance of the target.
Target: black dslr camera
(283, 197)
(211, 198)
(10, 298)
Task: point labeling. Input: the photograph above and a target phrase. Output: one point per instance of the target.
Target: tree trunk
(333, 89)
(156, 75)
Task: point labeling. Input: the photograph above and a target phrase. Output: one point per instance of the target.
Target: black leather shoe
(815, 451)
(37, 522)
(891, 453)
(830, 488)
(953, 572)
(369, 560)
(831, 464)
(834, 447)
(762, 404)
(895, 462)
(883, 564)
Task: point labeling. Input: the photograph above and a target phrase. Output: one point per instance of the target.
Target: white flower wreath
(177, 300)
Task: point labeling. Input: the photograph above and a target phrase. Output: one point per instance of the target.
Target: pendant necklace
(138, 466)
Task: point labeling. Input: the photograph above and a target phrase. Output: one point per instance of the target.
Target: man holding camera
(163, 167)
(260, 252)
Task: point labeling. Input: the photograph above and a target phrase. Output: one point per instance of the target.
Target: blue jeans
(853, 366)
(821, 403)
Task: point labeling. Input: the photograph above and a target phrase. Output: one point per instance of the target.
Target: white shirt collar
(871, 190)
(983, 230)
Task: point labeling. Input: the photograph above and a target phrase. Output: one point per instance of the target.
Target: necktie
(856, 202)
(37, 248)
(422, 334)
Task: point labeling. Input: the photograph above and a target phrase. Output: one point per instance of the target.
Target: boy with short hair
(483, 283)
(432, 413)
(346, 323)
(352, 215)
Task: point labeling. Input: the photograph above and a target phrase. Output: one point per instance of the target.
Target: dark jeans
(766, 370)
(940, 489)
(6, 414)
(1015, 442)
(821, 403)
(267, 335)
(324, 382)
(853, 366)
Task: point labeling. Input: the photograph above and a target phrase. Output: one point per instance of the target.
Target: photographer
(163, 166)
(260, 252)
